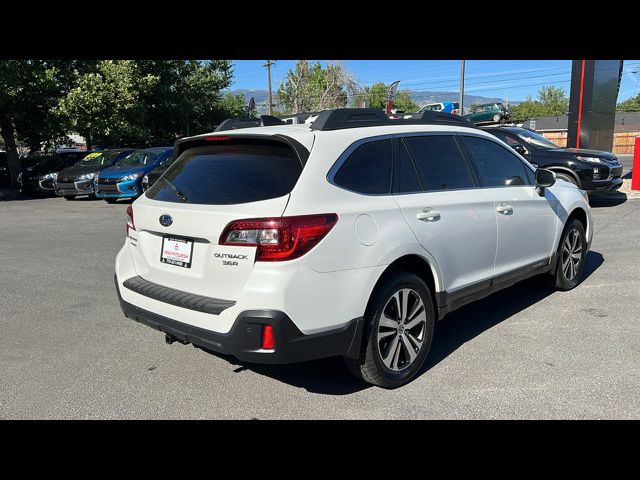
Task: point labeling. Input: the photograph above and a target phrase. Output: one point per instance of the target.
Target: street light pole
(461, 87)
(268, 65)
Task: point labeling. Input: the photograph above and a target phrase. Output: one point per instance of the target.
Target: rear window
(225, 174)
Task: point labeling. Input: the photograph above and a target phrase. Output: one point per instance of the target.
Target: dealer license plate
(177, 251)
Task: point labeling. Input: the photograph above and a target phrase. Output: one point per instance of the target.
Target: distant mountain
(420, 97)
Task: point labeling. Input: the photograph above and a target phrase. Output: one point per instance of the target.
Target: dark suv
(590, 170)
(38, 178)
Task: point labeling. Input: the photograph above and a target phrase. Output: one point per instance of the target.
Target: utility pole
(268, 65)
(461, 87)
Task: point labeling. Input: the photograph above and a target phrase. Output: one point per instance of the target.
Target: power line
(453, 83)
(450, 78)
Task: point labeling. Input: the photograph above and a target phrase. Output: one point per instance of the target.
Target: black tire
(370, 367)
(567, 178)
(111, 200)
(560, 279)
(69, 197)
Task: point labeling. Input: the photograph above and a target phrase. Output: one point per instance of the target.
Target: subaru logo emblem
(166, 220)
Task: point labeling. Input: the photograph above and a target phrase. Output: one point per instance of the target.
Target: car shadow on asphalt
(609, 199)
(12, 194)
(331, 376)
(473, 319)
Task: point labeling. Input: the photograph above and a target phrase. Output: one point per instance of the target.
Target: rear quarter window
(368, 169)
(233, 173)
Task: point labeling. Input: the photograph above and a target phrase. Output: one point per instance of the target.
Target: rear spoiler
(248, 122)
(207, 139)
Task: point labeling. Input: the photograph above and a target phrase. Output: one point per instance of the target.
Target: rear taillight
(130, 224)
(279, 238)
(454, 112)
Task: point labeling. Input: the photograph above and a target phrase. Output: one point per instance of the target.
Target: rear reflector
(268, 342)
(279, 238)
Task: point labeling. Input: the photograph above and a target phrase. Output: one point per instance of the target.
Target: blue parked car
(124, 179)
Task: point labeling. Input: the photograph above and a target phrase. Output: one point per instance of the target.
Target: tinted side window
(440, 162)
(368, 169)
(495, 165)
(408, 180)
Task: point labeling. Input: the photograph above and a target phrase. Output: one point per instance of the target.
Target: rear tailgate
(214, 270)
(179, 220)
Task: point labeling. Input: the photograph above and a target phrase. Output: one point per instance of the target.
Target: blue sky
(512, 79)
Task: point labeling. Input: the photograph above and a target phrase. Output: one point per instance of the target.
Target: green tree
(106, 106)
(309, 87)
(551, 101)
(376, 97)
(629, 105)
(235, 105)
(28, 91)
(147, 102)
(186, 99)
(404, 102)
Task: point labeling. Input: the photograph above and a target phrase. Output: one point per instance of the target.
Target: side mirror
(520, 149)
(544, 178)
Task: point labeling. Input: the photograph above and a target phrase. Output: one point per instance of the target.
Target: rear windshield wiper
(178, 193)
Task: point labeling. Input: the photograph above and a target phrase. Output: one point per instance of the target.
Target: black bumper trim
(178, 298)
(243, 341)
(611, 184)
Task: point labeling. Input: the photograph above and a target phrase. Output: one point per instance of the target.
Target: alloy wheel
(401, 329)
(571, 254)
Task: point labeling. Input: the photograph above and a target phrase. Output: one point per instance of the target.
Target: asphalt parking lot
(66, 350)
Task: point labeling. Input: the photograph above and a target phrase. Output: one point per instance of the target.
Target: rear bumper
(243, 341)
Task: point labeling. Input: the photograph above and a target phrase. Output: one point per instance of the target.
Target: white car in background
(347, 237)
(445, 107)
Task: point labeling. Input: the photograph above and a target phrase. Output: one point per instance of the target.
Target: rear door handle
(428, 215)
(505, 209)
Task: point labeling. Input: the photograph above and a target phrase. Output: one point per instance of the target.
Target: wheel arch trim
(565, 170)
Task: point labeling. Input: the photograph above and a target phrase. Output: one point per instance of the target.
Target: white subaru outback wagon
(347, 237)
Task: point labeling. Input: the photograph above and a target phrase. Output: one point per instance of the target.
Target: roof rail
(297, 118)
(341, 118)
(248, 122)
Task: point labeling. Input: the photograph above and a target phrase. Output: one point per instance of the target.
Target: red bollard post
(635, 174)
